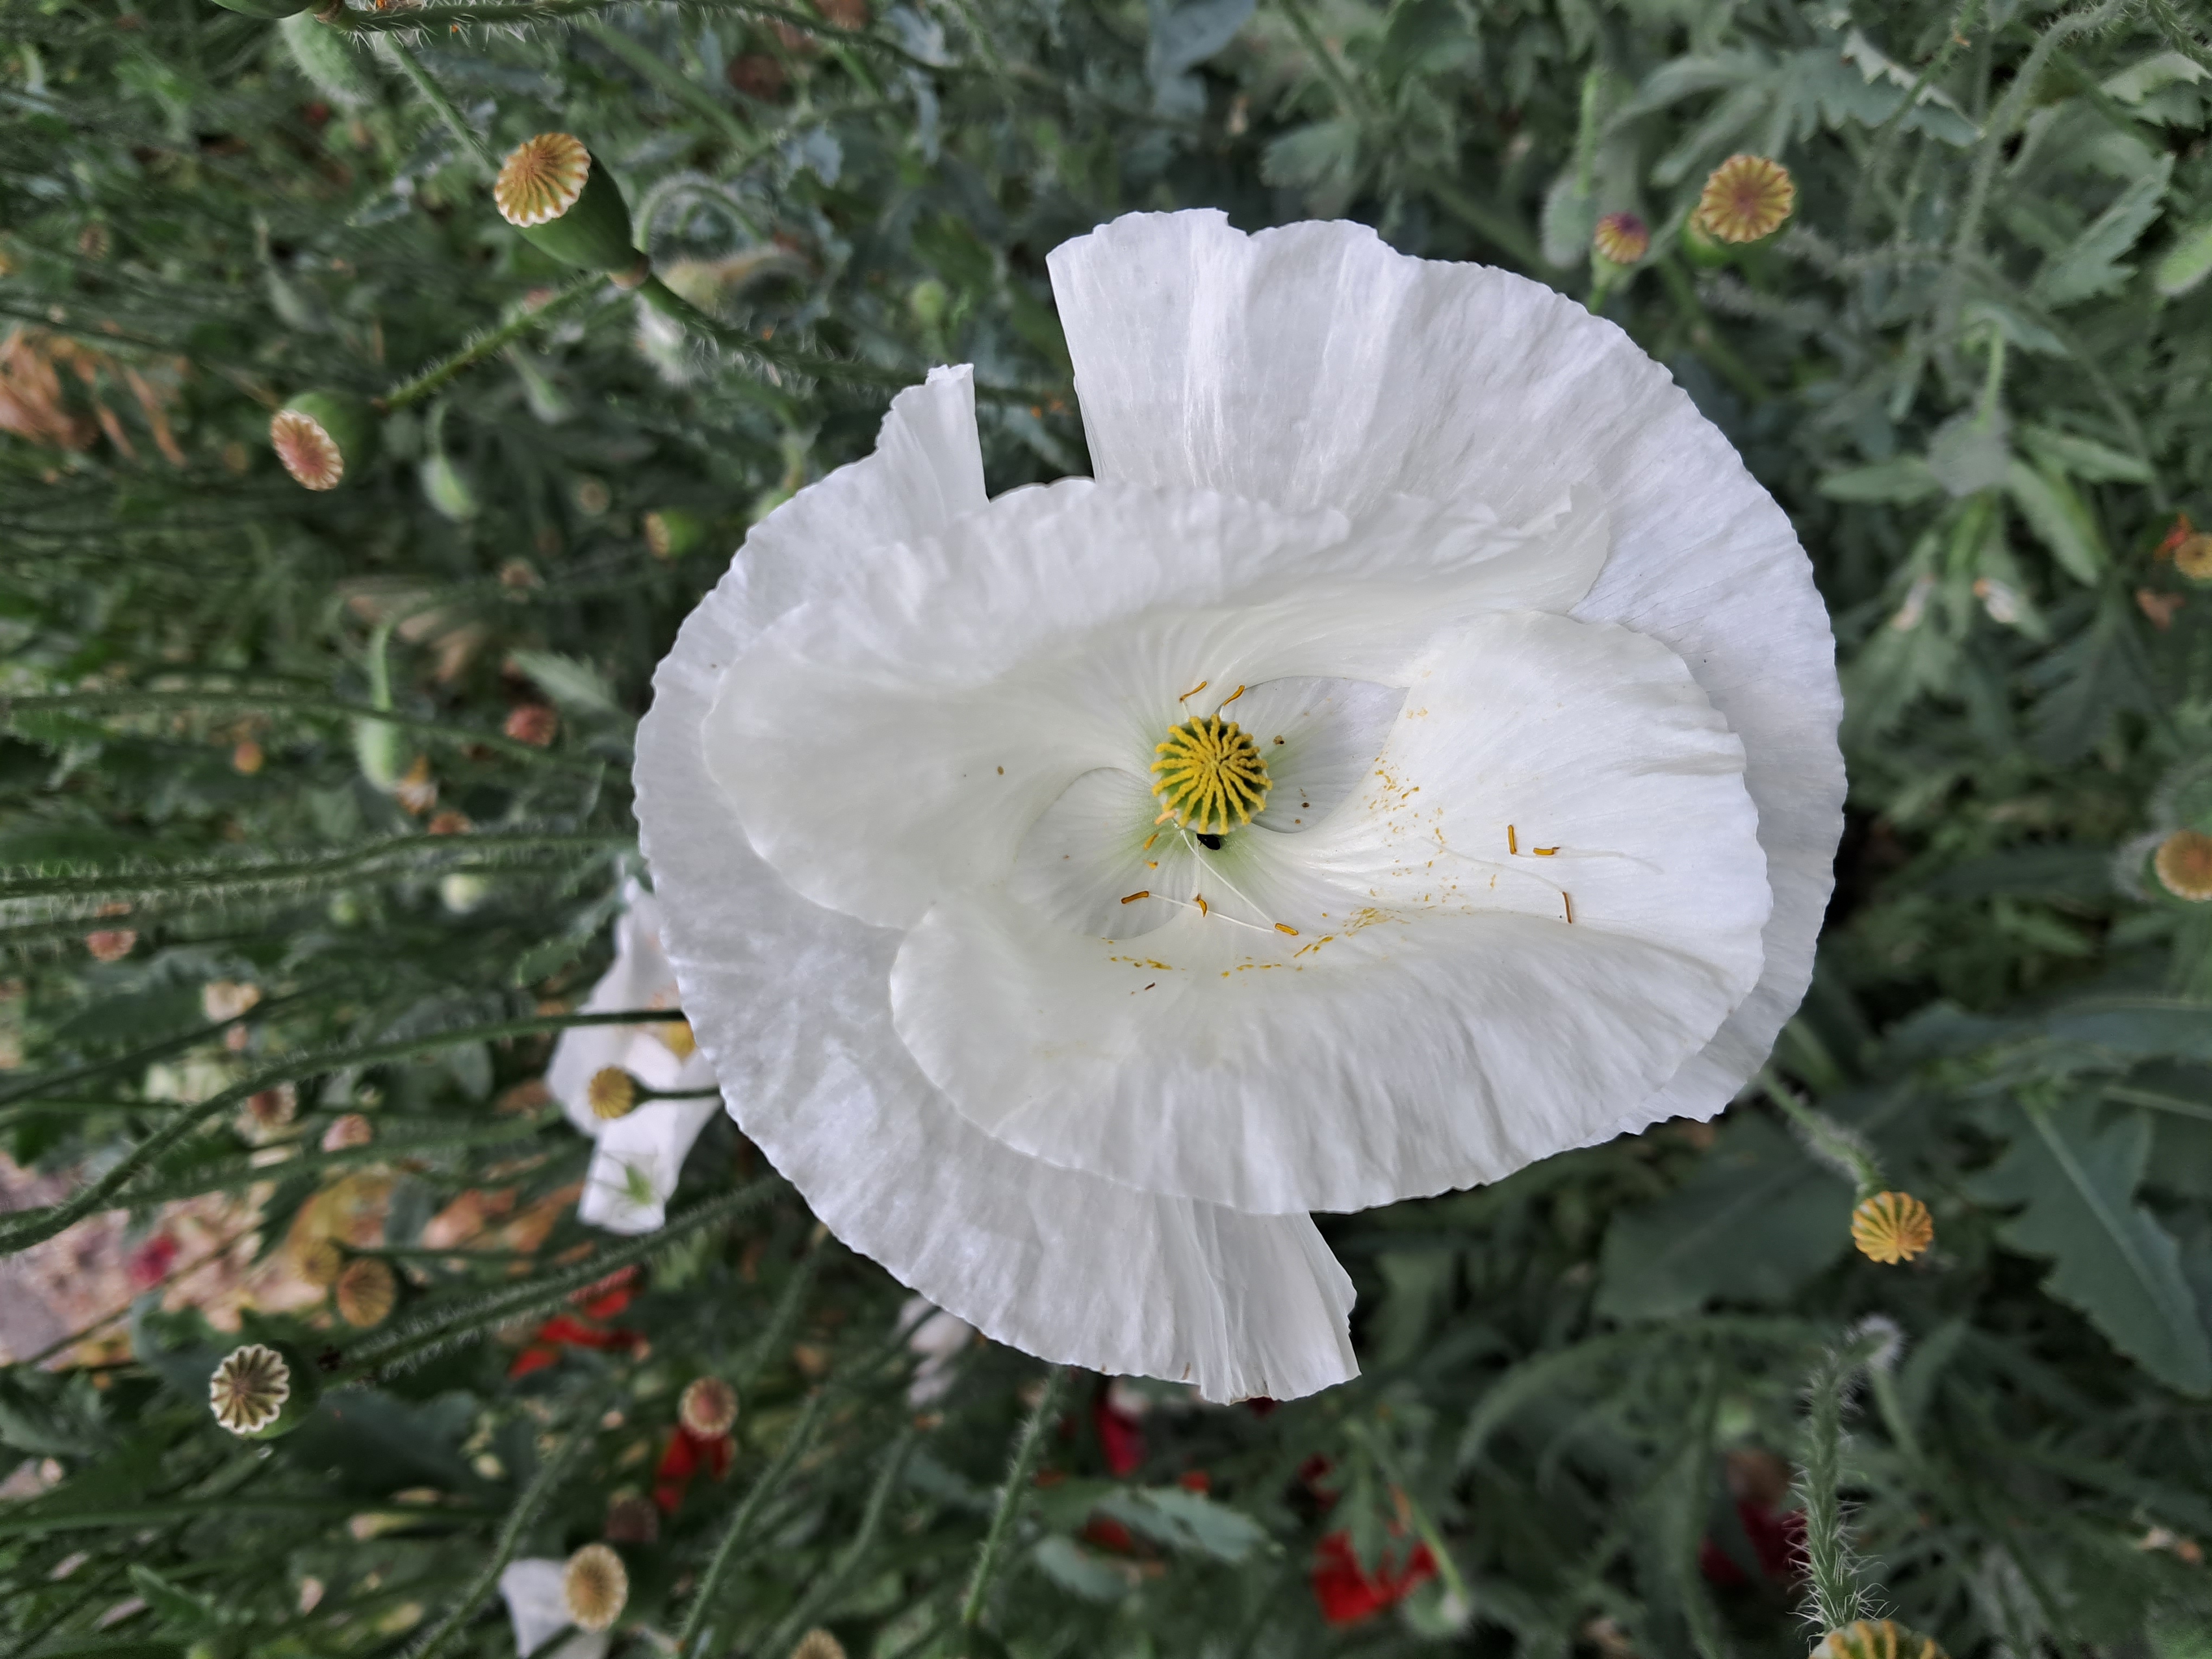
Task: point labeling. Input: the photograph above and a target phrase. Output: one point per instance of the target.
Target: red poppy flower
(594, 1302)
(687, 1454)
(1348, 1592)
(1120, 1436)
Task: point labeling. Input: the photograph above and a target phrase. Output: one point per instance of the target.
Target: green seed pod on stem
(552, 190)
(259, 1392)
(323, 438)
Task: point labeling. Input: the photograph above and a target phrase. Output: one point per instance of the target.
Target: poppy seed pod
(259, 1392)
(323, 437)
(595, 1587)
(552, 190)
(367, 1291)
(671, 532)
(708, 1408)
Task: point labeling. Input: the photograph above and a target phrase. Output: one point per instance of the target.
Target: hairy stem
(1029, 1446)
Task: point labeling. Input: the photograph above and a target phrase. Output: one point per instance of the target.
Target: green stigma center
(1209, 770)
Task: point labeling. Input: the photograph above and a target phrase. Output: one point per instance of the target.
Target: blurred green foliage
(1974, 368)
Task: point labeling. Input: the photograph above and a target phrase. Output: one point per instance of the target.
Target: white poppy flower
(1413, 756)
(539, 1611)
(640, 1155)
(937, 1338)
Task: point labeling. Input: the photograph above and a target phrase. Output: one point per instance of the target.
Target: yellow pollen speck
(1208, 770)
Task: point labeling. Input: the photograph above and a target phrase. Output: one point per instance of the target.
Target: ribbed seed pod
(611, 1093)
(323, 437)
(551, 190)
(1892, 1227)
(259, 1392)
(671, 532)
(367, 1291)
(1747, 198)
(708, 1408)
(321, 1262)
(2183, 865)
(1877, 1639)
(595, 1586)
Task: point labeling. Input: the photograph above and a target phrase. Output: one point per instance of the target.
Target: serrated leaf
(2084, 457)
(174, 1605)
(1188, 1521)
(575, 686)
(1755, 1220)
(1077, 1570)
(2060, 520)
(2184, 265)
(2091, 266)
(2097, 674)
(2076, 1182)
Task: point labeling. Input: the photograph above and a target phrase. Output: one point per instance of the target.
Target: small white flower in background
(1414, 755)
(539, 1610)
(939, 1339)
(640, 1152)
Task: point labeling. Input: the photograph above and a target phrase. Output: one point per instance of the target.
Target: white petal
(637, 1163)
(1311, 364)
(1438, 1019)
(892, 741)
(531, 1588)
(790, 1003)
(1319, 738)
(639, 977)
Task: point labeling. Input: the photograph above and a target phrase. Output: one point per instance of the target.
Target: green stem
(440, 1328)
(138, 1058)
(840, 1573)
(1496, 225)
(30, 1227)
(1705, 337)
(434, 95)
(786, 1312)
(1828, 1140)
(1028, 1448)
(578, 289)
(309, 707)
(244, 1172)
(527, 1507)
(696, 1635)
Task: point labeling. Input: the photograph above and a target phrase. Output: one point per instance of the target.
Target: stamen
(1543, 852)
(1568, 899)
(1199, 899)
(1142, 893)
(1150, 839)
(1285, 927)
(1512, 841)
(1194, 691)
(1230, 698)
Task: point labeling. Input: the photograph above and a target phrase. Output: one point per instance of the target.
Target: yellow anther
(1142, 892)
(1512, 841)
(1285, 927)
(1543, 852)
(1194, 691)
(1209, 770)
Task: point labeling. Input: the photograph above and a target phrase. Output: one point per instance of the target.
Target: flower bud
(611, 1093)
(446, 487)
(1892, 1227)
(1877, 1639)
(321, 437)
(551, 190)
(259, 1392)
(2183, 865)
(328, 60)
(707, 1408)
(462, 891)
(595, 1587)
(381, 750)
(670, 532)
(367, 1291)
(1621, 238)
(1746, 198)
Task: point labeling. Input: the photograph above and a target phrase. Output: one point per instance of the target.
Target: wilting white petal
(636, 1164)
(639, 977)
(792, 1003)
(532, 1589)
(1392, 1002)
(1310, 366)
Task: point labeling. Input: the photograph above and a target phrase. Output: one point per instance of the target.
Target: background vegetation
(1974, 368)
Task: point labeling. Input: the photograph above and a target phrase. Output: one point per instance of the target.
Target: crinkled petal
(893, 740)
(636, 1164)
(1311, 365)
(790, 1001)
(1393, 1003)
(532, 1589)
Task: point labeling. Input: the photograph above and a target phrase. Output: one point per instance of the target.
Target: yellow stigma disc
(1208, 770)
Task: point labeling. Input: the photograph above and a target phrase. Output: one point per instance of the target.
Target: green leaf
(2091, 266)
(1188, 1521)
(176, 1607)
(2076, 1182)
(575, 686)
(2084, 457)
(2186, 264)
(1078, 1572)
(1907, 479)
(1755, 1221)
(2060, 519)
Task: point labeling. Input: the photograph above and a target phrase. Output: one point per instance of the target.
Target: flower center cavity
(1209, 777)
